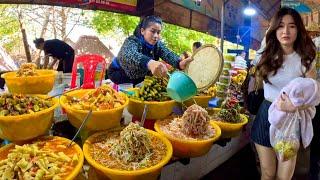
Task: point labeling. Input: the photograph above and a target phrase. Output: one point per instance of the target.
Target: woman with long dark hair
(289, 53)
(140, 53)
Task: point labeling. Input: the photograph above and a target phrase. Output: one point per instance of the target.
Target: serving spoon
(81, 126)
(144, 115)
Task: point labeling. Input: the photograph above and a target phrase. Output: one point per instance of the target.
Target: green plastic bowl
(181, 87)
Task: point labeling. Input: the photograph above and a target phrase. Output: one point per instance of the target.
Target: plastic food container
(40, 84)
(156, 110)
(229, 130)
(27, 126)
(190, 148)
(225, 72)
(221, 94)
(228, 57)
(77, 169)
(224, 79)
(202, 101)
(147, 173)
(222, 86)
(227, 65)
(99, 120)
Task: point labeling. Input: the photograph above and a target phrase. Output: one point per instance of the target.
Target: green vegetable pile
(153, 89)
(17, 104)
(230, 110)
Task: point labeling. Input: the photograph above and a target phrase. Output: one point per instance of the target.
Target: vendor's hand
(184, 62)
(185, 55)
(285, 104)
(157, 68)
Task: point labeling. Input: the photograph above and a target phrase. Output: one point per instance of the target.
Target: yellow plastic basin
(147, 173)
(190, 148)
(156, 110)
(99, 120)
(74, 172)
(40, 84)
(27, 126)
(200, 100)
(212, 111)
(231, 129)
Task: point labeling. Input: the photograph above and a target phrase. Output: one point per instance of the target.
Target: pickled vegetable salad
(38, 161)
(153, 89)
(102, 98)
(230, 111)
(18, 104)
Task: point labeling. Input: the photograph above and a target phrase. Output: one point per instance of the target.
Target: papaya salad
(102, 98)
(194, 124)
(131, 149)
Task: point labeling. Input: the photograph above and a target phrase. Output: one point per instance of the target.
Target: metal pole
(222, 26)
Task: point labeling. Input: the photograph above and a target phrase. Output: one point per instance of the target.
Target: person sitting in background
(58, 50)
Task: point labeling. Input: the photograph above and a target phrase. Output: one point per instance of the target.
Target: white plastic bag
(285, 139)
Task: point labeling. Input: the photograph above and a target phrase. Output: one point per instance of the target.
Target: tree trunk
(54, 24)
(46, 22)
(43, 32)
(25, 39)
(64, 20)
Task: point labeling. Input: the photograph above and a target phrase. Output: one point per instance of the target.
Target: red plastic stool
(89, 63)
(148, 123)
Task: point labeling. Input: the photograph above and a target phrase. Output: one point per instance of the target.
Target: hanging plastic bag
(286, 140)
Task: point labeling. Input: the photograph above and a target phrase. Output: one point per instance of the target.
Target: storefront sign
(290, 3)
(124, 5)
(212, 8)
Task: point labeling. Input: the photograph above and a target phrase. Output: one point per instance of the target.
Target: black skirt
(260, 127)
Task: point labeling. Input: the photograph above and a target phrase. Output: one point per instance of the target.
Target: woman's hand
(157, 68)
(285, 104)
(184, 62)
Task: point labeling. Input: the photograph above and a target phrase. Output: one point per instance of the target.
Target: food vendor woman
(140, 53)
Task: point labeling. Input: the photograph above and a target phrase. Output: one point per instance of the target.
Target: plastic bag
(286, 139)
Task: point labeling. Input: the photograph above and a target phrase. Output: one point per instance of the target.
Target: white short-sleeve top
(291, 69)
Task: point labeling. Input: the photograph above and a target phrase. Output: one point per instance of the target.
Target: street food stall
(190, 136)
(171, 139)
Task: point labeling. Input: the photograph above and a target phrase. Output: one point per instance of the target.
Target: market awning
(204, 16)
